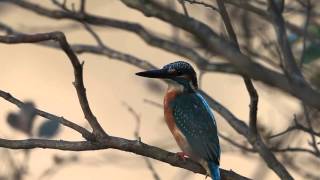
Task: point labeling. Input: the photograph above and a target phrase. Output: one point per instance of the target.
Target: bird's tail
(214, 170)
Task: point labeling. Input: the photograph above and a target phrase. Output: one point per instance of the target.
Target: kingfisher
(188, 116)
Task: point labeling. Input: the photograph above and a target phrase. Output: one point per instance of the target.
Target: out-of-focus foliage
(48, 128)
(24, 121)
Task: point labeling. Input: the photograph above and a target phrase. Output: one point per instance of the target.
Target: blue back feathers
(195, 120)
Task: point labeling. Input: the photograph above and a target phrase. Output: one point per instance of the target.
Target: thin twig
(296, 126)
(137, 136)
(62, 5)
(85, 133)
(184, 7)
(236, 144)
(313, 143)
(94, 35)
(156, 104)
(82, 6)
(295, 149)
(203, 4)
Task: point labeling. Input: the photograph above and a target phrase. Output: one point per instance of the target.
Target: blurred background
(42, 76)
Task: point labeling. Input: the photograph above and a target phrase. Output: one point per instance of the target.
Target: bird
(189, 116)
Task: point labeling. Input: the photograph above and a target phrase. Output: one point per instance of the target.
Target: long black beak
(159, 73)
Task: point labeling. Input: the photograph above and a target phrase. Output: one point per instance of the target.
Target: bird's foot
(182, 155)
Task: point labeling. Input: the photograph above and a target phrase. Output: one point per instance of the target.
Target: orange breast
(177, 134)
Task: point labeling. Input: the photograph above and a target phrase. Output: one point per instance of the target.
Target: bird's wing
(195, 120)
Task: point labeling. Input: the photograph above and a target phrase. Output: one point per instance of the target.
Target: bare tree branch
(82, 6)
(236, 144)
(296, 126)
(94, 35)
(184, 7)
(291, 68)
(203, 4)
(77, 67)
(313, 142)
(249, 85)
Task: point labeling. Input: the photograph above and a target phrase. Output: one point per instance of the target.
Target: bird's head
(180, 72)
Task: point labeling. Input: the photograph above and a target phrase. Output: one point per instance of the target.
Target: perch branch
(111, 142)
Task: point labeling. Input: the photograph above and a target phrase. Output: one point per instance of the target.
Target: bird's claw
(182, 155)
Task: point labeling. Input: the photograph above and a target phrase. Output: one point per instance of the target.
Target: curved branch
(77, 67)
